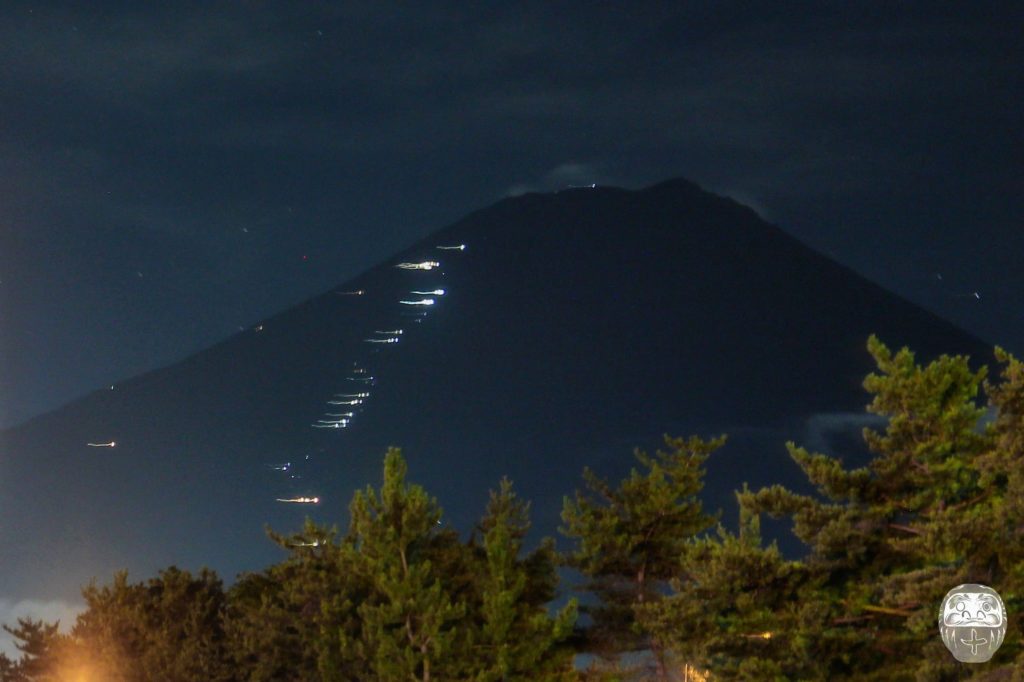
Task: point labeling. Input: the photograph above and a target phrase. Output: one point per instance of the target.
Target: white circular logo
(972, 621)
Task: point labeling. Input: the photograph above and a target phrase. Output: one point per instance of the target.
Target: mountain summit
(542, 334)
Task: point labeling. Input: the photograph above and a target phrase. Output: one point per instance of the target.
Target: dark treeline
(670, 593)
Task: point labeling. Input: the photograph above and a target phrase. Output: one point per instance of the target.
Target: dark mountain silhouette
(573, 327)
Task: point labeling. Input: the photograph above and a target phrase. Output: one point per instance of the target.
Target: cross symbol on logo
(974, 642)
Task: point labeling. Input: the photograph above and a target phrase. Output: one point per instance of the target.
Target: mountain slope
(573, 326)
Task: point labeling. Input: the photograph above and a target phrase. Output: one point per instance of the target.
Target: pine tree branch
(888, 611)
(967, 503)
(846, 620)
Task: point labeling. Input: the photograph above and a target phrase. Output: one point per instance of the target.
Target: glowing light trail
(111, 444)
(393, 339)
(299, 500)
(425, 265)
(357, 292)
(460, 247)
(435, 292)
(422, 301)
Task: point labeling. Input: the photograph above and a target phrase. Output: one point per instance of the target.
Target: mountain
(573, 327)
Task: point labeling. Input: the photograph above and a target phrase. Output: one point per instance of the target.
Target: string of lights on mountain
(354, 397)
(356, 394)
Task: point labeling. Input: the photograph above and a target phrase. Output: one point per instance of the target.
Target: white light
(425, 265)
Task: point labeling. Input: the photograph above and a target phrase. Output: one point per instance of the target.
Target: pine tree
(400, 597)
(168, 628)
(39, 644)
(283, 622)
(8, 669)
(886, 529)
(409, 620)
(1000, 510)
(629, 539)
(517, 639)
(884, 544)
(937, 505)
(730, 601)
(885, 541)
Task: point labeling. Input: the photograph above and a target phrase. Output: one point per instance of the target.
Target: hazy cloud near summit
(563, 176)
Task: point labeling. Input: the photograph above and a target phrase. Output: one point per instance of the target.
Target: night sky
(172, 174)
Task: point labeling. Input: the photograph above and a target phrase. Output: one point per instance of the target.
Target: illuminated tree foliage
(399, 597)
(515, 637)
(39, 644)
(440, 609)
(629, 539)
(168, 628)
(277, 621)
(409, 620)
(939, 504)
